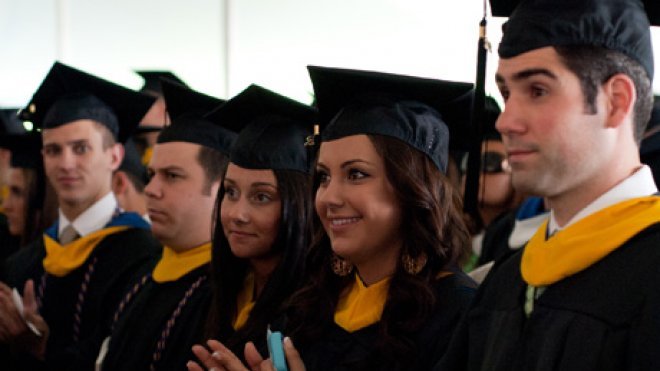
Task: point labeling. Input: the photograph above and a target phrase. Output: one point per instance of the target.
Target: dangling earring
(340, 266)
(412, 265)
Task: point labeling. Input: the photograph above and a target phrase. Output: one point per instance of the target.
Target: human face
(554, 146)
(179, 208)
(250, 212)
(16, 202)
(77, 165)
(357, 204)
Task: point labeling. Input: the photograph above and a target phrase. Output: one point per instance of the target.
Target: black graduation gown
(24, 264)
(139, 327)
(338, 349)
(495, 244)
(8, 243)
(606, 317)
(118, 256)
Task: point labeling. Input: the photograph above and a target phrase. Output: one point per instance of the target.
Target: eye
(16, 191)
(80, 148)
(504, 92)
(150, 174)
(262, 198)
(51, 151)
(231, 193)
(538, 91)
(355, 174)
(171, 176)
(322, 177)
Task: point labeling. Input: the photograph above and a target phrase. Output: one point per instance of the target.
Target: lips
(240, 233)
(155, 214)
(518, 154)
(67, 180)
(338, 224)
(343, 221)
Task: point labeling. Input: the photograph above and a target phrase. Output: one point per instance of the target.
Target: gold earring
(412, 265)
(340, 266)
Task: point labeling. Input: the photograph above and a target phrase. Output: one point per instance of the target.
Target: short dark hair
(108, 139)
(594, 66)
(214, 164)
(137, 181)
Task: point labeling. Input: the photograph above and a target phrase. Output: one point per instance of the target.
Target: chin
(343, 251)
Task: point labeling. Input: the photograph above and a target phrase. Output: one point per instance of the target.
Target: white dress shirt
(92, 219)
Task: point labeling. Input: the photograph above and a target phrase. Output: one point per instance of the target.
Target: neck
(374, 270)
(72, 210)
(262, 269)
(566, 205)
(186, 246)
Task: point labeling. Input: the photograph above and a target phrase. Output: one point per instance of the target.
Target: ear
(117, 153)
(621, 97)
(119, 182)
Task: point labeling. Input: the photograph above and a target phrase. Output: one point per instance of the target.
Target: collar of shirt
(92, 219)
(639, 184)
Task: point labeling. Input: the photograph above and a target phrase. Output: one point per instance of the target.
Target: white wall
(221, 46)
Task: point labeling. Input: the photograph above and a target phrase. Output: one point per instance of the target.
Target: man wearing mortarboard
(161, 315)
(73, 278)
(583, 294)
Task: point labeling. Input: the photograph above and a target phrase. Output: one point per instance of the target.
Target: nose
(330, 194)
(153, 189)
(238, 211)
(510, 121)
(67, 159)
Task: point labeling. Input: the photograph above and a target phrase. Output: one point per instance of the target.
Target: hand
(293, 359)
(14, 329)
(216, 358)
(220, 358)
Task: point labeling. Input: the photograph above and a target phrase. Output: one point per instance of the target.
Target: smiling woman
(384, 290)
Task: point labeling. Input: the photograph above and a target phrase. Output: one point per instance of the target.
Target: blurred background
(221, 46)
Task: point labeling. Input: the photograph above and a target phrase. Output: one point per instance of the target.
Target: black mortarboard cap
(25, 149)
(67, 94)
(620, 25)
(152, 81)
(188, 110)
(275, 130)
(9, 121)
(181, 100)
(504, 8)
(420, 112)
(132, 163)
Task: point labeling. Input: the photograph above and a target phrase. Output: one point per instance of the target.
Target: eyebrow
(345, 163)
(167, 168)
(351, 162)
(69, 143)
(253, 185)
(525, 74)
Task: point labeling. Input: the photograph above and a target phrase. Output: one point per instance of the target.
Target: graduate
(583, 293)
(263, 221)
(162, 315)
(9, 125)
(384, 290)
(74, 276)
(30, 205)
